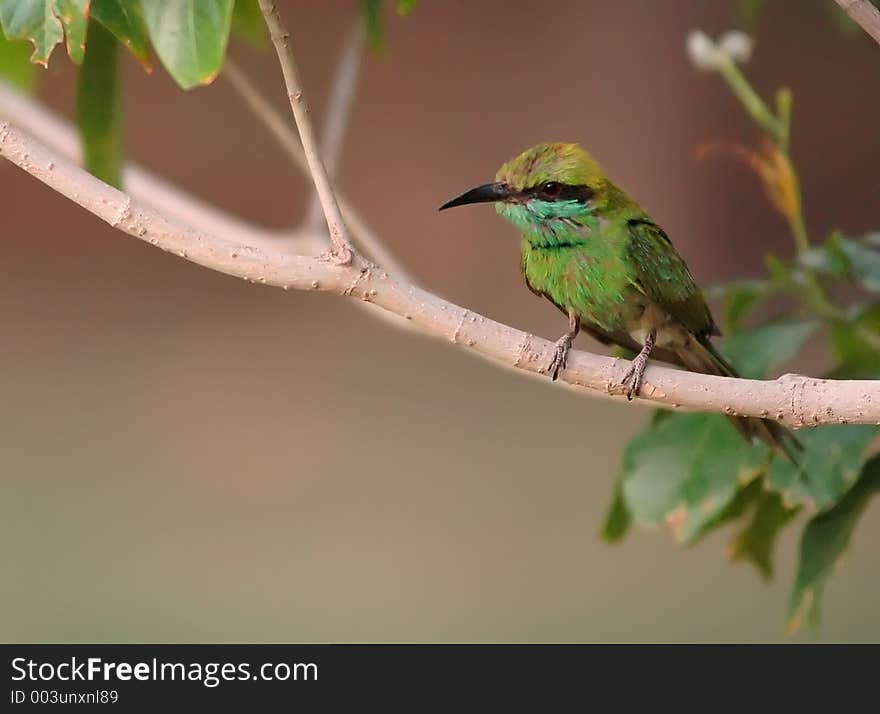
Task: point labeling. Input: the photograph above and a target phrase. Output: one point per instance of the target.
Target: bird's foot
(563, 345)
(634, 375)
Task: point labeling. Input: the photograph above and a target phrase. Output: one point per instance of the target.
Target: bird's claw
(634, 385)
(634, 376)
(563, 345)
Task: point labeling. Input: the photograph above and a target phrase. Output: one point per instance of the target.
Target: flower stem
(784, 100)
(799, 233)
(753, 104)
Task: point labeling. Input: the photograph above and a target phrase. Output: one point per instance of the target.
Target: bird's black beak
(487, 193)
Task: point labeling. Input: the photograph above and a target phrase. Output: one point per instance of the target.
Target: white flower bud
(703, 52)
(737, 45)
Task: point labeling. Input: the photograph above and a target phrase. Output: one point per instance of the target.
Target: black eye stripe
(560, 192)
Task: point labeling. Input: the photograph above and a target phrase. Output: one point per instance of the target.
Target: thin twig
(338, 113)
(342, 249)
(793, 400)
(279, 127)
(865, 14)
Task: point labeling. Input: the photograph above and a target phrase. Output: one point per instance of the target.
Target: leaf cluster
(694, 473)
(189, 38)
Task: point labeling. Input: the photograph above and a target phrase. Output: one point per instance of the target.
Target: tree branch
(792, 399)
(338, 113)
(186, 209)
(60, 135)
(342, 250)
(865, 13)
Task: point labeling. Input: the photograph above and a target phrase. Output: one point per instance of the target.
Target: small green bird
(594, 253)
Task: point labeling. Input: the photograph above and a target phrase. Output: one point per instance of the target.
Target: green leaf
(686, 471)
(125, 19)
(756, 541)
(858, 345)
(742, 298)
(782, 275)
(618, 519)
(828, 259)
(190, 37)
(864, 260)
(840, 256)
(831, 461)
(824, 541)
(659, 415)
(15, 64)
(33, 20)
(766, 516)
(44, 23)
(247, 20)
(371, 16)
(756, 352)
(74, 17)
(744, 499)
(98, 106)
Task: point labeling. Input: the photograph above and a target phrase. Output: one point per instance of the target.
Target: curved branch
(865, 13)
(58, 134)
(185, 209)
(792, 399)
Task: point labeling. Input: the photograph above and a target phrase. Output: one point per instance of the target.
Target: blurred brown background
(187, 457)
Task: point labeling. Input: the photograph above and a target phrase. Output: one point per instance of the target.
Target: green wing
(660, 273)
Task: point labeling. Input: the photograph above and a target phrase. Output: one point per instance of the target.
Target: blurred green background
(186, 457)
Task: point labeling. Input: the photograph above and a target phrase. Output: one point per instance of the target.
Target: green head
(545, 187)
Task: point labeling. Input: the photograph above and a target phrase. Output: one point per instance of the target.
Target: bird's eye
(551, 189)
